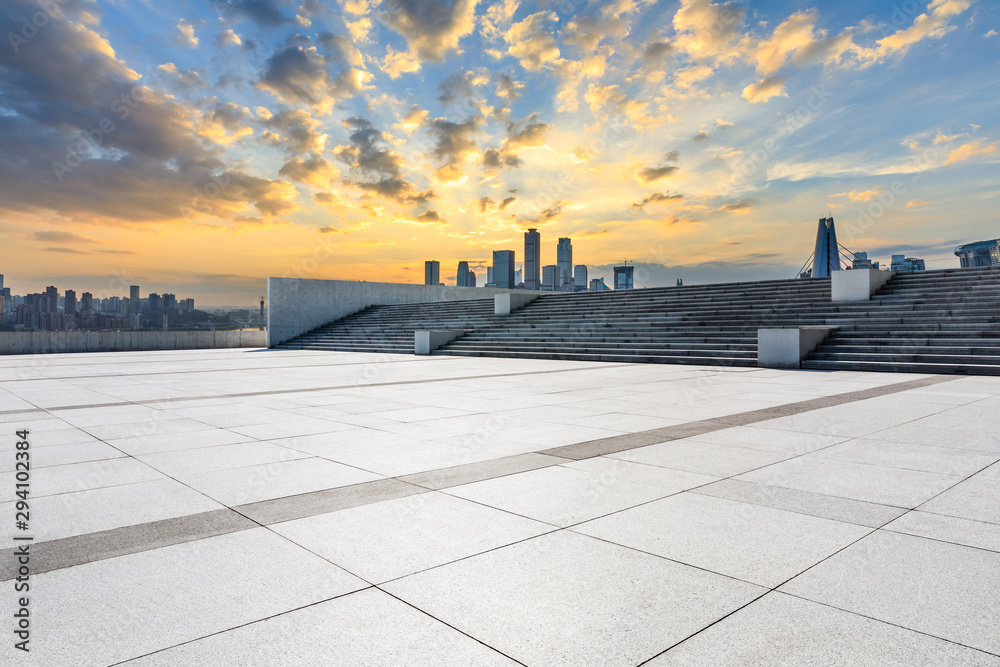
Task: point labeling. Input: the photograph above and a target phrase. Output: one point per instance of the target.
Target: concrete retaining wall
(295, 305)
(45, 342)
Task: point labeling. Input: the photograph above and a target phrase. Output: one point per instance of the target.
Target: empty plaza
(253, 506)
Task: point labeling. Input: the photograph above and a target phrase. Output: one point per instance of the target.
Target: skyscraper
(564, 260)
(597, 285)
(69, 303)
(432, 272)
(827, 255)
(580, 277)
(550, 278)
(51, 299)
(471, 280)
(532, 259)
(623, 277)
(904, 264)
(462, 277)
(503, 268)
(982, 253)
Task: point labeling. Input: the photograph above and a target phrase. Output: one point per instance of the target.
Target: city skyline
(308, 139)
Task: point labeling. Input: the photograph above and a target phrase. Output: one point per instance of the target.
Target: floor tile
(757, 544)
(870, 483)
(399, 537)
(364, 628)
(236, 486)
(944, 590)
(567, 599)
(783, 631)
(157, 599)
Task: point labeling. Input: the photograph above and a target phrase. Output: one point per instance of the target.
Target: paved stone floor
(254, 507)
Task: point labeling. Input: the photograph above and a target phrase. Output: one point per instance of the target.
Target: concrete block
(505, 304)
(858, 284)
(786, 348)
(425, 341)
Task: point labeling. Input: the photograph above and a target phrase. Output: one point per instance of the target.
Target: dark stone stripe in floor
(481, 470)
(268, 512)
(80, 549)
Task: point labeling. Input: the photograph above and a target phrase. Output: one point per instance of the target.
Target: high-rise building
(462, 277)
(550, 277)
(981, 253)
(51, 300)
(471, 280)
(904, 264)
(623, 277)
(489, 275)
(518, 279)
(532, 259)
(86, 306)
(188, 305)
(861, 261)
(564, 260)
(597, 285)
(827, 254)
(432, 272)
(503, 268)
(155, 310)
(580, 278)
(69, 303)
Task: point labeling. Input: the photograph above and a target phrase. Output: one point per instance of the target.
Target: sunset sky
(197, 147)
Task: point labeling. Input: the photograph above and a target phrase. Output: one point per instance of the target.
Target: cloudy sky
(199, 146)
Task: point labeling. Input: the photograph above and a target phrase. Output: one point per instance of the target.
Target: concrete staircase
(934, 322)
(930, 322)
(390, 328)
(710, 324)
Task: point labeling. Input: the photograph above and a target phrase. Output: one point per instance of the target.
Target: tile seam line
(153, 402)
(70, 378)
(900, 387)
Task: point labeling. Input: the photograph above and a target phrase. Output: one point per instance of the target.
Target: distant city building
(904, 264)
(580, 278)
(597, 285)
(155, 303)
(981, 253)
(432, 272)
(503, 268)
(861, 261)
(624, 277)
(188, 305)
(532, 259)
(550, 277)
(462, 277)
(680, 282)
(827, 254)
(51, 300)
(69, 303)
(564, 260)
(518, 280)
(471, 280)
